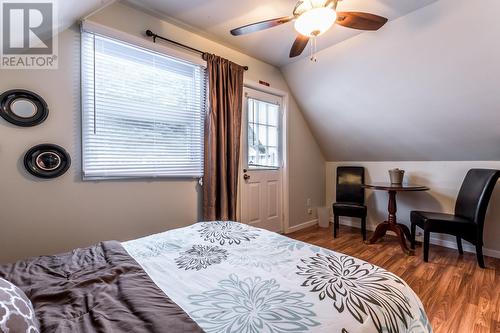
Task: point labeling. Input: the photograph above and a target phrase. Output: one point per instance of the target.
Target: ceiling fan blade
(246, 29)
(360, 21)
(298, 46)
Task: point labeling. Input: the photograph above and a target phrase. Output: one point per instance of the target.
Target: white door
(261, 176)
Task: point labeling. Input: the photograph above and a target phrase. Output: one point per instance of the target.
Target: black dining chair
(350, 197)
(470, 209)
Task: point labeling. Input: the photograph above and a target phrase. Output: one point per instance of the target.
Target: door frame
(285, 196)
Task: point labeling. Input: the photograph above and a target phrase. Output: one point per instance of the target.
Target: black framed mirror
(23, 108)
(47, 161)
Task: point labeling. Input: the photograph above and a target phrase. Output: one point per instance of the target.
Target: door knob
(246, 177)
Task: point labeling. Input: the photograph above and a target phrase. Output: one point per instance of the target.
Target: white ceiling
(215, 18)
(424, 88)
(70, 11)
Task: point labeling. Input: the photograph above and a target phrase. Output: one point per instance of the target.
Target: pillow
(16, 311)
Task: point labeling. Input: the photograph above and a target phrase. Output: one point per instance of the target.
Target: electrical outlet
(309, 211)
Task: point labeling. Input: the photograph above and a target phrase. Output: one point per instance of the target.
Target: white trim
(302, 226)
(141, 41)
(352, 223)
(263, 96)
(434, 241)
(467, 248)
(285, 160)
(285, 150)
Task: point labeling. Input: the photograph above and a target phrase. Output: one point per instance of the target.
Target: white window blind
(143, 112)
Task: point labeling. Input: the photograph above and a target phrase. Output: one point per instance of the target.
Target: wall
(45, 217)
(307, 170)
(306, 173)
(422, 88)
(443, 178)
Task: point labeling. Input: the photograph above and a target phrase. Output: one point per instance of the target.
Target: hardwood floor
(458, 296)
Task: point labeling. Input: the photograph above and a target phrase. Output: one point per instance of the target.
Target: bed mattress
(215, 277)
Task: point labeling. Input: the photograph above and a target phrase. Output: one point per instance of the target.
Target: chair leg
(335, 225)
(413, 235)
(459, 245)
(479, 253)
(427, 235)
(363, 228)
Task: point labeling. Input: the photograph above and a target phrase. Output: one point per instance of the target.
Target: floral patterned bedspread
(231, 277)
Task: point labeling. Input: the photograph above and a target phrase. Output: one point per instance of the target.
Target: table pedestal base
(391, 224)
(401, 231)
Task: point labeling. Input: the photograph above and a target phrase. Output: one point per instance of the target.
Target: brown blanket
(96, 289)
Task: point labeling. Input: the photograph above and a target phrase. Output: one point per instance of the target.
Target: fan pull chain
(313, 50)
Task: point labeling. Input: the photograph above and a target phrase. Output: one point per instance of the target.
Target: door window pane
(273, 114)
(273, 136)
(262, 113)
(263, 134)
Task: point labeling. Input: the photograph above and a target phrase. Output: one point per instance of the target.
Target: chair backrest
(475, 194)
(349, 180)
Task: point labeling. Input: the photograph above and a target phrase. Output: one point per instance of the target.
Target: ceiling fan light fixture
(316, 21)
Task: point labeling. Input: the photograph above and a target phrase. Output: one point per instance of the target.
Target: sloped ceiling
(215, 18)
(425, 87)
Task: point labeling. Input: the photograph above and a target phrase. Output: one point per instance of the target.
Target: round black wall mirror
(23, 108)
(47, 161)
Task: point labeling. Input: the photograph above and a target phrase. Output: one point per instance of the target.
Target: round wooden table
(391, 224)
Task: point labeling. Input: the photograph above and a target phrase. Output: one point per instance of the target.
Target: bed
(214, 277)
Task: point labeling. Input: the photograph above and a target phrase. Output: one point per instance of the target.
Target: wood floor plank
(457, 294)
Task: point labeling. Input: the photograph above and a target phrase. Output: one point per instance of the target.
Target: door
(261, 176)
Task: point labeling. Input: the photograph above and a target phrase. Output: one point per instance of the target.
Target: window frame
(140, 43)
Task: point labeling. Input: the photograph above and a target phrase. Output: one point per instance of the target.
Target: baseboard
(435, 241)
(467, 248)
(354, 224)
(301, 226)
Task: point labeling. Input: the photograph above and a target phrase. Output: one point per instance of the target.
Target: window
(263, 134)
(143, 112)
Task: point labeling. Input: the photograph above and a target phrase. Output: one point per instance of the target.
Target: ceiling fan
(313, 18)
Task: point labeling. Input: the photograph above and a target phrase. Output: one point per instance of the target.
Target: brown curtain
(222, 139)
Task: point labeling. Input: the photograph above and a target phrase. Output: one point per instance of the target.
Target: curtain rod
(149, 33)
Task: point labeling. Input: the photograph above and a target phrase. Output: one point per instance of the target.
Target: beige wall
(45, 217)
(444, 180)
(306, 166)
(306, 159)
